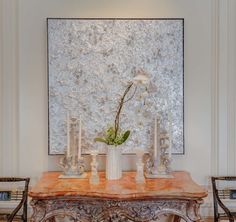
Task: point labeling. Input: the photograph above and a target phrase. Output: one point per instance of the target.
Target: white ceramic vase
(113, 163)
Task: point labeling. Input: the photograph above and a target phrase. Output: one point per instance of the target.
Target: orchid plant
(114, 135)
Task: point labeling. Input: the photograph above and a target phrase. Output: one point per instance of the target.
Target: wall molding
(227, 47)
(223, 93)
(231, 82)
(215, 89)
(1, 87)
(9, 88)
(223, 106)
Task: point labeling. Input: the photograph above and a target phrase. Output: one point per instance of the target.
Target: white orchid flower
(141, 78)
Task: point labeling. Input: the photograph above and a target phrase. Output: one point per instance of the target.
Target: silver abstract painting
(91, 62)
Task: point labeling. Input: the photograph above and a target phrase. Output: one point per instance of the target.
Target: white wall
(210, 53)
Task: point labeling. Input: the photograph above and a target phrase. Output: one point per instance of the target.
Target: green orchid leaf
(126, 136)
(98, 139)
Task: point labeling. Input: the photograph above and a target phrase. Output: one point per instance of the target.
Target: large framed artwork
(90, 62)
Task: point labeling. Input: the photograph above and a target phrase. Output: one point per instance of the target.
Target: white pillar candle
(158, 139)
(68, 134)
(80, 134)
(170, 133)
(155, 139)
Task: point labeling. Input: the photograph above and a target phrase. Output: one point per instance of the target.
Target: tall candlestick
(170, 133)
(68, 134)
(80, 134)
(156, 137)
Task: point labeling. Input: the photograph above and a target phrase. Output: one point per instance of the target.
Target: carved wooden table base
(113, 210)
(116, 201)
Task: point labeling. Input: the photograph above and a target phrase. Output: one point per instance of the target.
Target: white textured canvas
(91, 61)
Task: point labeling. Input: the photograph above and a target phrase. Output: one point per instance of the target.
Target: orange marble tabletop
(179, 187)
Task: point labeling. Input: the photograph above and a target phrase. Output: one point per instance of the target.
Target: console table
(116, 201)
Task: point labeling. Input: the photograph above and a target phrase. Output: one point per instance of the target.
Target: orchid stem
(122, 101)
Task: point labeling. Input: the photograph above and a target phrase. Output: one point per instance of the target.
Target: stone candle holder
(73, 167)
(158, 166)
